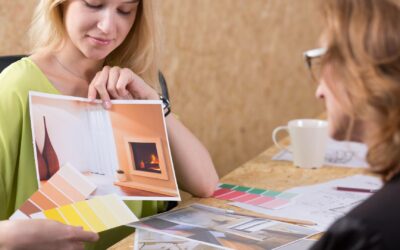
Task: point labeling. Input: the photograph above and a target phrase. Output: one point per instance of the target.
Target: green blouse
(17, 165)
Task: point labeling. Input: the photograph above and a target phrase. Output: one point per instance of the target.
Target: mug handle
(275, 133)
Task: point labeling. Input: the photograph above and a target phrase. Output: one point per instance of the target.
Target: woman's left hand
(119, 83)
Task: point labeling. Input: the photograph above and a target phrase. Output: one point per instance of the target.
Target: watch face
(165, 102)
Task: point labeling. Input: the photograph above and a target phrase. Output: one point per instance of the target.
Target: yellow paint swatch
(105, 215)
(96, 224)
(121, 211)
(73, 218)
(98, 214)
(54, 215)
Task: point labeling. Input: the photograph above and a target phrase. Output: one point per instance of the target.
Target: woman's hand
(119, 83)
(42, 234)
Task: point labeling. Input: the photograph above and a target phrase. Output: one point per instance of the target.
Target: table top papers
(322, 203)
(223, 229)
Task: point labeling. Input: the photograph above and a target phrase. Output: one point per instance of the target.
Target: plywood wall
(234, 67)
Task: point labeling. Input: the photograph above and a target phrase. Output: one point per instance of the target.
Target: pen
(264, 216)
(270, 217)
(351, 189)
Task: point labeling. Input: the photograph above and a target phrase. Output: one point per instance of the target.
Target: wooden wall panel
(236, 71)
(234, 67)
(15, 17)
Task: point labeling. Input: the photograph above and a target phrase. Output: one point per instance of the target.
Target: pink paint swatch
(260, 200)
(246, 198)
(274, 204)
(231, 195)
(221, 192)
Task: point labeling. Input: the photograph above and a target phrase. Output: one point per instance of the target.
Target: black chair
(5, 61)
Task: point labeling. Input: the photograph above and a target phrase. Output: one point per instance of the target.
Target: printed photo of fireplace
(146, 157)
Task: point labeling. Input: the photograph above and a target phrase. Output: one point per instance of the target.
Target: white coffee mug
(308, 139)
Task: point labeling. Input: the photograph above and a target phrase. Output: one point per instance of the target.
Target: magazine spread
(220, 228)
(149, 240)
(123, 150)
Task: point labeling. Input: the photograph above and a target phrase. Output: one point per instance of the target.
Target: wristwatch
(166, 105)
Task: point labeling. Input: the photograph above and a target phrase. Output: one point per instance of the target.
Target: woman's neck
(73, 62)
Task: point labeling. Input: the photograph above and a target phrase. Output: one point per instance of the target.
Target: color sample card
(66, 186)
(98, 214)
(255, 196)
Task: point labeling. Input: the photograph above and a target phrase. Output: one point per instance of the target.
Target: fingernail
(107, 104)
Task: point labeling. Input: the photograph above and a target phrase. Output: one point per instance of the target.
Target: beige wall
(234, 67)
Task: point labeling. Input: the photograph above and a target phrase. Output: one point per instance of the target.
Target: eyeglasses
(313, 62)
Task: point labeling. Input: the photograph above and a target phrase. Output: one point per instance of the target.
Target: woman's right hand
(42, 234)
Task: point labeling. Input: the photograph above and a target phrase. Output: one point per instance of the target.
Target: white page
(322, 203)
(338, 153)
(303, 244)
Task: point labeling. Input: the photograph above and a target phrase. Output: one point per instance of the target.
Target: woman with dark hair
(359, 80)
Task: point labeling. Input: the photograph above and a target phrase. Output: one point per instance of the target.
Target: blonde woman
(360, 84)
(107, 49)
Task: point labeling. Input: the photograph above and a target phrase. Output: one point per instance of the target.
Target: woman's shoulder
(381, 204)
(18, 68)
(17, 74)
(21, 77)
(350, 233)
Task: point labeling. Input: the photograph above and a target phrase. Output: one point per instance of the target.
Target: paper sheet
(223, 228)
(322, 203)
(303, 244)
(148, 240)
(338, 153)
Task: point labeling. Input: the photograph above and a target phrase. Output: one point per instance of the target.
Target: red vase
(49, 154)
(42, 165)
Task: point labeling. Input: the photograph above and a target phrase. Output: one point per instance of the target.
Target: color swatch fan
(66, 186)
(264, 198)
(98, 214)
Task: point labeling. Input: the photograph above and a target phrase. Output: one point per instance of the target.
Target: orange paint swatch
(67, 186)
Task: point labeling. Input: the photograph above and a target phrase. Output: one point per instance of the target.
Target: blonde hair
(140, 50)
(363, 49)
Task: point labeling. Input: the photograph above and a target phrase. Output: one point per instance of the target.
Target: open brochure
(149, 240)
(222, 229)
(124, 150)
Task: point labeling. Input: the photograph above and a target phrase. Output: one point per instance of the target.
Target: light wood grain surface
(262, 172)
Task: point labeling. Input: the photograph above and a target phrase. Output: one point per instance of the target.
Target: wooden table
(262, 172)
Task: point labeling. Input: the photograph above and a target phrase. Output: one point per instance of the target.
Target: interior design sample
(66, 186)
(123, 150)
(264, 198)
(97, 214)
(148, 240)
(223, 229)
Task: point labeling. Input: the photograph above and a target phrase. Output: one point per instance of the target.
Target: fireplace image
(146, 157)
(124, 151)
(145, 167)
